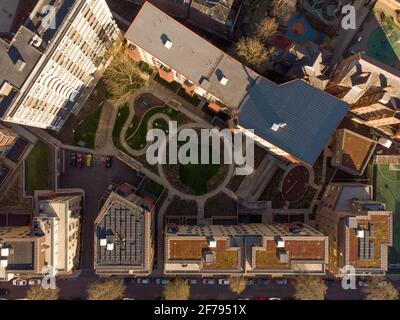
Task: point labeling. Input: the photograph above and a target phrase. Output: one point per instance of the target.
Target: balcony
(166, 74)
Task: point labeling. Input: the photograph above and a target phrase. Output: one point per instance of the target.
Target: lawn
(387, 186)
(196, 176)
(37, 168)
(85, 133)
(122, 116)
(138, 141)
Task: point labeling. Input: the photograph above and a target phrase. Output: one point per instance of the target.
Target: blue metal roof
(311, 116)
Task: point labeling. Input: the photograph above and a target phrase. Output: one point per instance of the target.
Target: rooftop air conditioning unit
(280, 243)
(168, 44)
(103, 242)
(4, 252)
(276, 126)
(212, 243)
(385, 142)
(3, 263)
(110, 246)
(36, 41)
(359, 233)
(223, 81)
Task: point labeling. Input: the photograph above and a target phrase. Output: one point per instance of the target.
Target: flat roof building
(124, 237)
(250, 249)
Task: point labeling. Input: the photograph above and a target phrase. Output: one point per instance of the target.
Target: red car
(80, 160)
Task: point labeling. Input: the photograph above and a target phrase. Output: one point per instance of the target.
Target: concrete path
(102, 132)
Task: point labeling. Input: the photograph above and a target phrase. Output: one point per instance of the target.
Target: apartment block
(370, 87)
(293, 120)
(248, 249)
(58, 217)
(123, 236)
(360, 230)
(22, 252)
(52, 59)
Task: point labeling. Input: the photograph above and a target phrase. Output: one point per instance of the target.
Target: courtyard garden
(85, 132)
(122, 116)
(37, 173)
(387, 186)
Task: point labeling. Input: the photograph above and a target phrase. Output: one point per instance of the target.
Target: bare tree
(176, 290)
(237, 284)
(281, 10)
(266, 29)
(251, 51)
(122, 75)
(377, 289)
(40, 293)
(310, 288)
(108, 289)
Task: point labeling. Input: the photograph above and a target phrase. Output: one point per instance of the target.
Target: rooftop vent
(385, 142)
(276, 126)
(280, 243)
(351, 222)
(223, 81)
(103, 242)
(283, 256)
(360, 233)
(168, 44)
(208, 257)
(36, 41)
(110, 246)
(20, 65)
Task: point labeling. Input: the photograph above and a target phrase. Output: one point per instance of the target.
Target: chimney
(280, 243)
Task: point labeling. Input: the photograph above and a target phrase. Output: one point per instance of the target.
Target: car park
(72, 160)
(19, 282)
(34, 282)
(281, 282)
(223, 282)
(80, 160)
(89, 160)
(4, 292)
(208, 281)
(108, 162)
(143, 281)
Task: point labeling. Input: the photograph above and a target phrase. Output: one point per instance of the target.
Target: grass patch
(152, 187)
(37, 168)
(145, 67)
(85, 133)
(197, 175)
(123, 113)
(161, 124)
(138, 140)
(387, 185)
(133, 126)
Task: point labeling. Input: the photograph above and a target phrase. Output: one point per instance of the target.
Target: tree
(251, 51)
(310, 288)
(122, 75)
(108, 289)
(266, 29)
(281, 10)
(176, 290)
(378, 289)
(40, 293)
(237, 284)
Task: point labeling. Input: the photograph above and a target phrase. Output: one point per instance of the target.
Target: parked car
(365, 284)
(263, 282)
(281, 282)
(72, 160)
(89, 160)
(143, 281)
(146, 102)
(359, 39)
(329, 282)
(4, 292)
(109, 162)
(128, 298)
(80, 160)
(193, 281)
(34, 282)
(250, 282)
(223, 282)
(208, 281)
(162, 281)
(19, 283)
(272, 298)
(112, 188)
